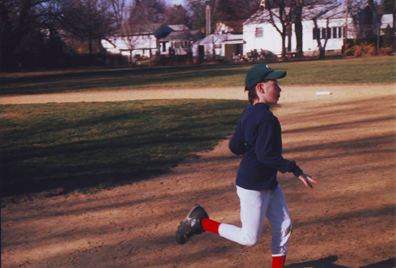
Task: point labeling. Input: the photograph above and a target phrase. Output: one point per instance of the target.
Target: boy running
(258, 139)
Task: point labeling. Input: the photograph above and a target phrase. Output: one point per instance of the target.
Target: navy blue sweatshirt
(258, 137)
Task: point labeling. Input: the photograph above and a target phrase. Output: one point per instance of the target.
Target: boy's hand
(308, 180)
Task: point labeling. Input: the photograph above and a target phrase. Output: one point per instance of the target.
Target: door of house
(201, 53)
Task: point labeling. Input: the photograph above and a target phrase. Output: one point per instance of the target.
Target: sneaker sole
(181, 239)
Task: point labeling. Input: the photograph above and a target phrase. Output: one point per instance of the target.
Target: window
(328, 33)
(324, 33)
(259, 32)
(315, 33)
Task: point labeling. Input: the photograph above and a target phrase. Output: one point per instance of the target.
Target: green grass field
(94, 145)
(83, 145)
(354, 70)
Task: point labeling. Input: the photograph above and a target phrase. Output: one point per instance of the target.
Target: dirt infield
(346, 139)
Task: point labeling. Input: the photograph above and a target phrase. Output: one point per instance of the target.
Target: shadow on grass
(118, 78)
(328, 262)
(84, 183)
(105, 162)
(62, 148)
(102, 172)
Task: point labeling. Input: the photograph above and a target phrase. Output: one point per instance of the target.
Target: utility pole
(207, 18)
(346, 25)
(207, 14)
(378, 37)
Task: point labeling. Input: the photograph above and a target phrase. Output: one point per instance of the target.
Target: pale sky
(175, 2)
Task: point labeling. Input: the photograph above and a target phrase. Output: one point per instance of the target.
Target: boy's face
(271, 91)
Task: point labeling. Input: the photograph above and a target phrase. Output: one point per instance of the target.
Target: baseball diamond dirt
(346, 139)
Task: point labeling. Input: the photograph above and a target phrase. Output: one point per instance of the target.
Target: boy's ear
(260, 88)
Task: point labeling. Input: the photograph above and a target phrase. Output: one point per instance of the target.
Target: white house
(130, 43)
(260, 35)
(387, 19)
(218, 47)
(178, 41)
(152, 39)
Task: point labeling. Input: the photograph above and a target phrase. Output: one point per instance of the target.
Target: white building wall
(333, 45)
(208, 49)
(225, 46)
(141, 45)
(218, 51)
(272, 40)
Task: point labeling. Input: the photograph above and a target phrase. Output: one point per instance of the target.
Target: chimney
(262, 4)
(370, 4)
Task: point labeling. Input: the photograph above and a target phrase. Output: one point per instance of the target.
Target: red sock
(210, 225)
(278, 261)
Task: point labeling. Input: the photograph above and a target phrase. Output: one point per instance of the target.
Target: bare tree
(130, 28)
(236, 9)
(177, 14)
(324, 34)
(22, 25)
(119, 7)
(141, 18)
(149, 10)
(89, 20)
(297, 7)
(278, 12)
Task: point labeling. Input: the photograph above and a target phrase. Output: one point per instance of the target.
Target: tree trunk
(283, 45)
(299, 39)
(289, 39)
(90, 46)
(322, 53)
(298, 29)
(321, 48)
(394, 27)
(90, 51)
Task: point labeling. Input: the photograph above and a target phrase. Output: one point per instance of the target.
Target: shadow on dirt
(328, 262)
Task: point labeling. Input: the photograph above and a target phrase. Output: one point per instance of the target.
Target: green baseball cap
(260, 73)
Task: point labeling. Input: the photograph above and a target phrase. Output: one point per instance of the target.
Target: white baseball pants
(255, 207)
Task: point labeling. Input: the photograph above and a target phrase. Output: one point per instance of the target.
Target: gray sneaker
(191, 225)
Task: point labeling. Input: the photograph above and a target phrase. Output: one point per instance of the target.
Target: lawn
(354, 70)
(80, 146)
(77, 146)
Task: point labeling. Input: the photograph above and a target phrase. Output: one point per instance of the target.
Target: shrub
(372, 51)
(362, 49)
(388, 37)
(358, 52)
(386, 50)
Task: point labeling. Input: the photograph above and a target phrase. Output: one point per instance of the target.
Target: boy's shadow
(328, 262)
